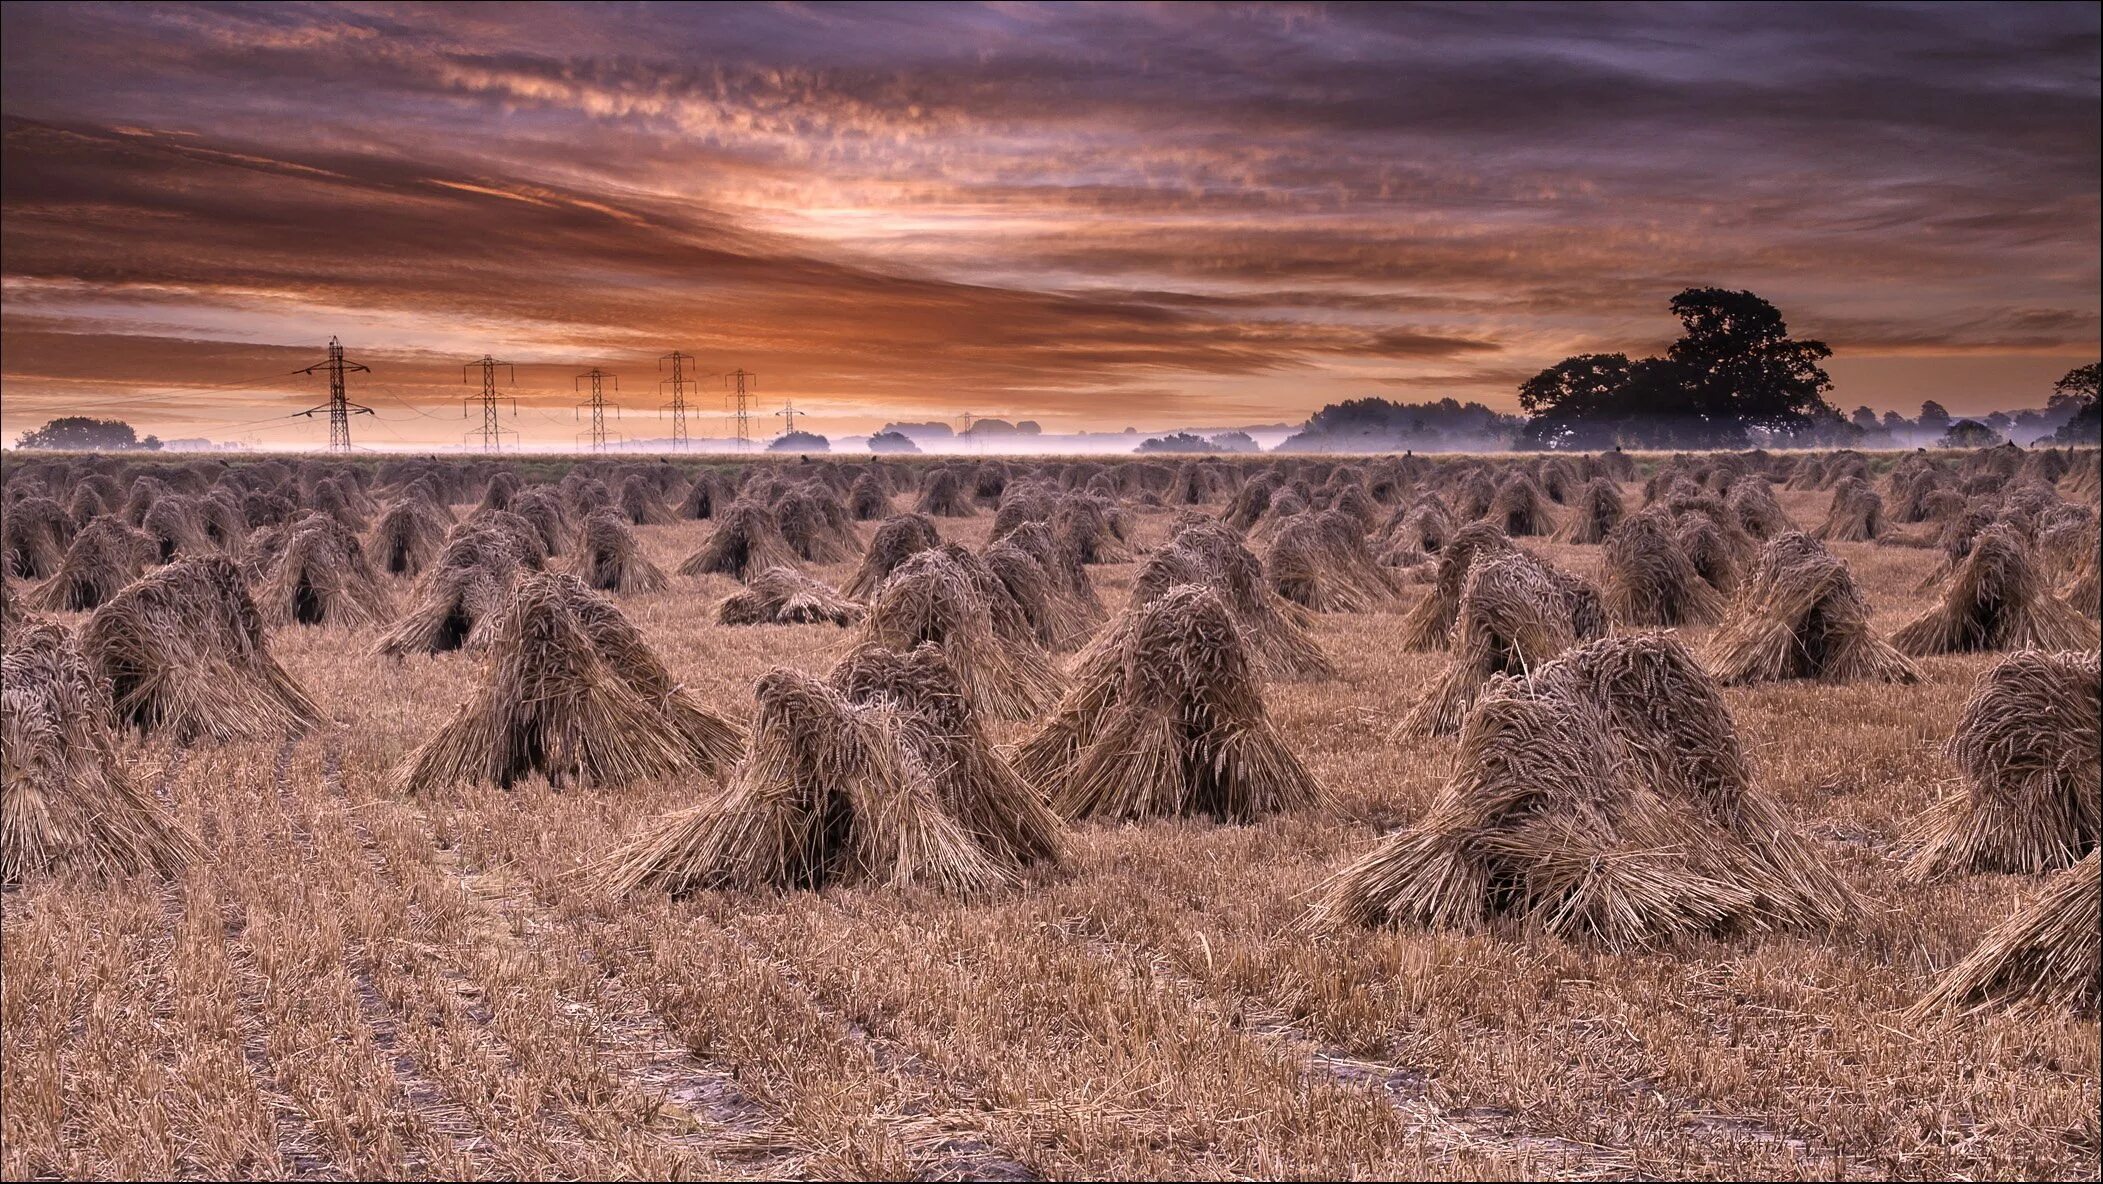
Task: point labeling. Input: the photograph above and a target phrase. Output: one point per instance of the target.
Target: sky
(1089, 216)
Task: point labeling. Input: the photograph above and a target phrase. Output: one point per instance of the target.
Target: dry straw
(785, 596)
(1184, 730)
(320, 576)
(182, 651)
(897, 539)
(1598, 509)
(1604, 797)
(947, 597)
(943, 496)
(832, 792)
(1651, 581)
(407, 537)
(1856, 515)
(570, 692)
(66, 800)
(1513, 618)
(1801, 616)
(105, 556)
(745, 542)
(1996, 599)
(2045, 958)
(2028, 746)
(1320, 561)
(1428, 625)
(609, 558)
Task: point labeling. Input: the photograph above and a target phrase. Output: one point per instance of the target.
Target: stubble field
(355, 983)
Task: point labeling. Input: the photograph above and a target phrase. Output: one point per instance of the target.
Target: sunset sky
(1089, 216)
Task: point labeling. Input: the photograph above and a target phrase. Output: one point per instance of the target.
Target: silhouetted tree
(892, 442)
(1734, 370)
(2077, 394)
(83, 434)
(800, 442)
(1865, 419)
(1970, 433)
(1933, 418)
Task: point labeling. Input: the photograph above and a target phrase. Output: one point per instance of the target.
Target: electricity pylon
(598, 405)
(492, 433)
(742, 383)
(339, 407)
(788, 411)
(678, 383)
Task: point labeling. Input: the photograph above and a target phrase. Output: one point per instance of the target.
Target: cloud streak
(1087, 215)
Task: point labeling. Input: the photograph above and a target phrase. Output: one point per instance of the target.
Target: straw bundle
(705, 497)
(1753, 504)
(1319, 560)
(1210, 553)
(1250, 501)
(171, 522)
(943, 496)
(408, 536)
(973, 783)
(570, 692)
(1058, 620)
(1996, 600)
(1598, 511)
(1182, 729)
(897, 539)
(1650, 580)
(2044, 958)
(321, 577)
(105, 556)
(609, 558)
(1091, 529)
(1428, 625)
(867, 499)
(541, 507)
(182, 650)
(1512, 619)
(1520, 508)
(1069, 579)
(1856, 516)
(784, 596)
(1801, 616)
(831, 792)
(937, 596)
(332, 498)
(745, 542)
(2084, 593)
(2028, 745)
(85, 505)
(1605, 797)
(815, 525)
(66, 800)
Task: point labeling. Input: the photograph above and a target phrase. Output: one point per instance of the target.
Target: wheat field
(354, 983)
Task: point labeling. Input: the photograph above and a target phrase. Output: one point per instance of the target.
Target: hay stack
(1090, 528)
(1801, 616)
(1650, 580)
(1520, 508)
(949, 599)
(540, 506)
(1428, 625)
(85, 506)
(454, 608)
(704, 497)
(1856, 516)
(1069, 579)
(1599, 510)
(408, 536)
(1996, 600)
(182, 650)
(66, 800)
(171, 521)
(570, 691)
(1319, 560)
(2028, 745)
(815, 525)
(943, 496)
(1753, 504)
(610, 558)
(785, 596)
(867, 499)
(1512, 619)
(745, 542)
(973, 783)
(1058, 621)
(320, 576)
(897, 539)
(1177, 728)
(1212, 554)
(2044, 958)
(105, 556)
(1420, 528)
(831, 793)
(2084, 593)
(640, 504)
(1605, 797)
(1250, 501)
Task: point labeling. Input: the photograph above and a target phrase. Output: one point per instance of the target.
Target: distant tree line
(80, 433)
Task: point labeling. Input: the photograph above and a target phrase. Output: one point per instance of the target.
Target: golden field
(355, 983)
